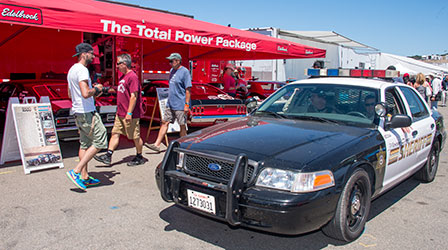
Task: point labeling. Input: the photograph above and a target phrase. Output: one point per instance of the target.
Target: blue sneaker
(91, 182)
(76, 179)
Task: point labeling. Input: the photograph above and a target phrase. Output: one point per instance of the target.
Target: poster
(162, 96)
(36, 135)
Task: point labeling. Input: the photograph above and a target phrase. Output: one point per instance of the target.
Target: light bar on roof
(365, 73)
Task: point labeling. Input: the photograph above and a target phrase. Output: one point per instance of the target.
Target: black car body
(43, 159)
(229, 170)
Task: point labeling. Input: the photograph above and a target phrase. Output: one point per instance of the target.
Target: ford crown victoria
(312, 156)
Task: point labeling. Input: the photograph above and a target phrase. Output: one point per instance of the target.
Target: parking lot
(44, 210)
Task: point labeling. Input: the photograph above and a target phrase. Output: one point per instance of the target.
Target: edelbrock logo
(20, 14)
(214, 167)
(281, 48)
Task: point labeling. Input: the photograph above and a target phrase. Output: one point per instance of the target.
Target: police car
(313, 155)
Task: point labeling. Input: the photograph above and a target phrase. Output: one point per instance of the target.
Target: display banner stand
(156, 105)
(30, 135)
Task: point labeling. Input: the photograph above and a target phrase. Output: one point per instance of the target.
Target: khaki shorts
(89, 134)
(172, 115)
(130, 130)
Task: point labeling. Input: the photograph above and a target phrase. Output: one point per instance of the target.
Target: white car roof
(362, 82)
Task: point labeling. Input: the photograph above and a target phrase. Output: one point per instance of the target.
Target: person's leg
(82, 169)
(114, 141)
(87, 155)
(117, 130)
(162, 132)
(183, 130)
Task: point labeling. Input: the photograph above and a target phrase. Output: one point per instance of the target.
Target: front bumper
(240, 203)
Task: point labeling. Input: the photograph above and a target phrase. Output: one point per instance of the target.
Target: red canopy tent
(205, 41)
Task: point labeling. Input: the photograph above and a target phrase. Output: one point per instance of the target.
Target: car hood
(263, 139)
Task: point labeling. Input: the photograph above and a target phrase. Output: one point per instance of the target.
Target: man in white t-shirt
(436, 84)
(92, 133)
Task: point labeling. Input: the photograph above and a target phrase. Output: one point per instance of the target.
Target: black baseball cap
(83, 48)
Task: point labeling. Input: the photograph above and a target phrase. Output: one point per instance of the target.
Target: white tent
(407, 65)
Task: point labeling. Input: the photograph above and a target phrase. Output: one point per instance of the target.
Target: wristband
(129, 113)
(186, 104)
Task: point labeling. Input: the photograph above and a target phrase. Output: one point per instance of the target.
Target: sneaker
(105, 158)
(76, 179)
(136, 161)
(91, 182)
(153, 147)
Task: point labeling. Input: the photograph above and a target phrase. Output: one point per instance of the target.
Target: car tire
(428, 172)
(353, 208)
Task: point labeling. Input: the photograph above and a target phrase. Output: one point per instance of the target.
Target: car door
(423, 125)
(399, 160)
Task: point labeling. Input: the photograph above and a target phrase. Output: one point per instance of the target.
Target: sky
(406, 28)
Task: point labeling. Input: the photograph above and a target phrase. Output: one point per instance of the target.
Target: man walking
(129, 110)
(178, 104)
(92, 133)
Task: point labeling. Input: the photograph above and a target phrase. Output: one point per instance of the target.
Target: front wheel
(353, 208)
(428, 172)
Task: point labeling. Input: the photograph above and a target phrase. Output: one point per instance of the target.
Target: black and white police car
(313, 155)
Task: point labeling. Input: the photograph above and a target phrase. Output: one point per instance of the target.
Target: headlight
(180, 161)
(294, 181)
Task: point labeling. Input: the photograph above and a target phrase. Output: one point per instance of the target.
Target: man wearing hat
(178, 104)
(92, 133)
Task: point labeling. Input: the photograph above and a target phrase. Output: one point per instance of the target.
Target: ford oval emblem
(214, 167)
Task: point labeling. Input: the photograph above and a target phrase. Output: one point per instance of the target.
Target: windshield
(335, 103)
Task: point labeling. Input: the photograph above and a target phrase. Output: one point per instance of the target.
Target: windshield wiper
(271, 113)
(314, 118)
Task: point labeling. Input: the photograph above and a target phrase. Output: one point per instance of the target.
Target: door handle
(414, 134)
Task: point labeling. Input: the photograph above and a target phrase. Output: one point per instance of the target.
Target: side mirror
(381, 109)
(251, 104)
(399, 121)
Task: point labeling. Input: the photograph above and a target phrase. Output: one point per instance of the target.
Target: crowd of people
(432, 87)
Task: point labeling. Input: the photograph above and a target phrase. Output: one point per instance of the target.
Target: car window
(6, 91)
(345, 103)
(418, 109)
(393, 102)
(150, 90)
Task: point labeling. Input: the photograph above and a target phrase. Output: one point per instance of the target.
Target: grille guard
(170, 181)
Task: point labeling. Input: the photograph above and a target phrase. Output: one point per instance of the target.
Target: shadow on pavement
(212, 231)
(392, 196)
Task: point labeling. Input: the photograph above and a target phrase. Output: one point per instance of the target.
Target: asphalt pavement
(44, 210)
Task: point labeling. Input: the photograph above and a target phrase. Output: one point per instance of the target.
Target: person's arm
(87, 92)
(132, 102)
(187, 100)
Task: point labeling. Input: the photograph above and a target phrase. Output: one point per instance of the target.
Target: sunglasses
(119, 63)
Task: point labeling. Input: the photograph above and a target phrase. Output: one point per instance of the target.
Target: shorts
(172, 115)
(89, 134)
(130, 130)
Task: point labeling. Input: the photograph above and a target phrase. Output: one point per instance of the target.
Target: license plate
(201, 201)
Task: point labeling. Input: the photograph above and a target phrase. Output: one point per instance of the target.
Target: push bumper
(239, 203)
